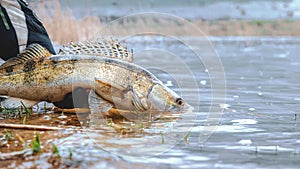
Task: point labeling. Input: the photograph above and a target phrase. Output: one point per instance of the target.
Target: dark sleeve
(8, 39)
(36, 31)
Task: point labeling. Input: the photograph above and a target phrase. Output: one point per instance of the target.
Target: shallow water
(258, 129)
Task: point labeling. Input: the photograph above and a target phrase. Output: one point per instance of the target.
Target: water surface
(259, 127)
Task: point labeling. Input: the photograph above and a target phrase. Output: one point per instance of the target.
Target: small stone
(47, 118)
(62, 117)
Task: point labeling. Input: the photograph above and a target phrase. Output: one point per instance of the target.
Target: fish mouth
(179, 109)
(174, 112)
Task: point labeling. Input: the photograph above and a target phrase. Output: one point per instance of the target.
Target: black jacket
(9, 47)
(8, 38)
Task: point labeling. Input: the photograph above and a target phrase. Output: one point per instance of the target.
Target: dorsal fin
(33, 51)
(104, 48)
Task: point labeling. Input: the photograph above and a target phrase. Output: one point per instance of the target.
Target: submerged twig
(72, 111)
(112, 111)
(29, 127)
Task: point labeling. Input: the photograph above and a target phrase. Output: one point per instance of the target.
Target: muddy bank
(52, 139)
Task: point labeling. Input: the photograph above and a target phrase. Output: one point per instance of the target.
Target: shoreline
(279, 27)
(71, 29)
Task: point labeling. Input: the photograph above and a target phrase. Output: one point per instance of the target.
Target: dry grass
(63, 27)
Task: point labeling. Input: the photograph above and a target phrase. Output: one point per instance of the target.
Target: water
(201, 9)
(259, 127)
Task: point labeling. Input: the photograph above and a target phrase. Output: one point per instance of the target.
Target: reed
(62, 26)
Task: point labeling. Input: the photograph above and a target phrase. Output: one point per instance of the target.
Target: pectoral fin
(140, 101)
(97, 104)
(12, 103)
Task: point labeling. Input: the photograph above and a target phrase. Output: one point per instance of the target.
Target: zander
(105, 67)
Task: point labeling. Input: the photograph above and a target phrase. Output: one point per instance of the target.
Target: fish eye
(179, 101)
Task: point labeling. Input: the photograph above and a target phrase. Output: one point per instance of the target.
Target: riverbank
(250, 27)
(64, 27)
(79, 30)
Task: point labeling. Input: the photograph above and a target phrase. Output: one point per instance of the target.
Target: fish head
(163, 99)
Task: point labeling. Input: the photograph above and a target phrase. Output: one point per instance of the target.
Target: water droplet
(260, 94)
(224, 106)
(203, 82)
(252, 109)
(244, 121)
(245, 142)
(169, 83)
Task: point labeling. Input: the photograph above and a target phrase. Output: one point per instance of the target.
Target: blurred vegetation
(158, 2)
(63, 27)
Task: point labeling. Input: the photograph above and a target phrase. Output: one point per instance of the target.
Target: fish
(104, 67)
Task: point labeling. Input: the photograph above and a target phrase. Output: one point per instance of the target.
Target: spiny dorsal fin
(33, 51)
(104, 48)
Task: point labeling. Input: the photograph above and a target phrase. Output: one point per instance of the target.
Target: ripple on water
(244, 121)
(226, 129)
